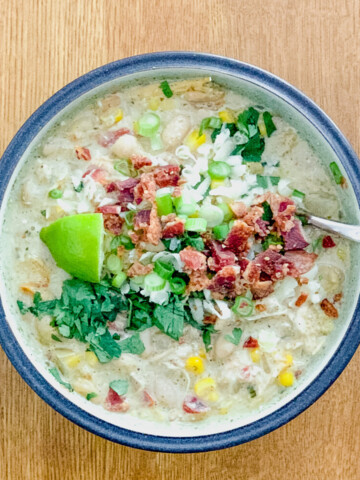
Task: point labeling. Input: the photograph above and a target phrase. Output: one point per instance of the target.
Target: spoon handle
(352, 232)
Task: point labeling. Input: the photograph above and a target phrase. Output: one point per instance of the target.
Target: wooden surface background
(313, 44)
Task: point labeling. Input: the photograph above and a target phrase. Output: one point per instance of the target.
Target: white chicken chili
(159, 257)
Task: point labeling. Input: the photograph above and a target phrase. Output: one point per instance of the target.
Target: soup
(160, 258)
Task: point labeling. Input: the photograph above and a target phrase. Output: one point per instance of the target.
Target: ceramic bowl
(329, 143)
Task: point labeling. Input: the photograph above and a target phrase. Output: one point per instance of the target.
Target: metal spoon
(352, 232)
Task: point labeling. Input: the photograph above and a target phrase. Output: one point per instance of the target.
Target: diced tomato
(302, 299)
(115, 402)
(83, 153)
(193, 405)
(328, 242)
(251, 343)
(115, 209)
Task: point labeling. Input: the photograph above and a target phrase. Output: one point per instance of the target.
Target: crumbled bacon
(113, 223)
(302, 281)
(220, 256)
(193, 260)
(262, 289)
(210, 319)
(198, 282)
(337, 297)
(109, 138)
(328, 242)
(139, 161)
(251, 343)
(177, 192)
(300, 262)
(115, 402)
(239, 209)
(142, 219)
(99, 175)
(237, 239)
(83, 153)
(125, 190)
(193, 405)
(283, 210)
(167, 176)
(273, 264)
(261, 227)
(301, 299)
(153, 232)
(294, 238)
(252, 272)
(146, 189)
(254, 214)
(173, 226)
(115, 209)
(138, 268)
(260, 307)
(223, 283)
(329, 309)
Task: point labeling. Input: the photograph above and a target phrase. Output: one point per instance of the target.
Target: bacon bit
(174, 227)
(109, 138)
(343, 182)
(239, 209)
(252, 272)
(221, 257)
(198, 282)
(193, 260)
(142, 219)
(251, 343)
(120, 251)
(328, 242)
(150, 402)
(153, 233)
(273, 264)
(194, 405)
(138, 268)
(337, 297)
(28, 289)
(283, 210)
(294, 238)
(134, 237)
(253, 216)
(115, 402)
(237, 239)
(115, 209)
(83, 153)
(297, 373)
(146, 189)
(182, 340)
(113, 223)
(167, 175)
(302, 281)
(300, 262)
(139, 161)
(210, 319)
(260, 307)
(262, 289)
(177, 192)
(329, 309)
(301, 299)
(223, 283)
(261, 227)
(97, 174)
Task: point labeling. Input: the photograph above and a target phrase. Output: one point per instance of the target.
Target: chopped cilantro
(235, 337)
(252, 391)
(207, 331)
(272, 239)
(56, 374)
(79, 187)
(247, 122)
(116, 336)
(253, 149)
(267, 215)
(262, 181)
(91, 395)
(119, 386)
(269, 124)
(170, 318)
(43, 213)
(132, 345)
(57, 339)
(303, 219)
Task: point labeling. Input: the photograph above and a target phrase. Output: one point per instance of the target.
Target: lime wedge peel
(76, 244)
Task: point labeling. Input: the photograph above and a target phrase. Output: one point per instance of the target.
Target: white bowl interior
(350, 210)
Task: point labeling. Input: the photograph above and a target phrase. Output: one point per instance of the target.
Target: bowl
(329, 143)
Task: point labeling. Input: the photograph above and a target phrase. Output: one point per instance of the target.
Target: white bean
(223, 348)
(125, 146)
(175, 130)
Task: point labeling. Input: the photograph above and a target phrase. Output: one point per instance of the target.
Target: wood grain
(313, 44)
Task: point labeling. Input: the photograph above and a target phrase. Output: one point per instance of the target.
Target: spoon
(352, 232)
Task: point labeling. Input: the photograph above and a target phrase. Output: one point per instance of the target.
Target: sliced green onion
(221, 231)
(228, 213)
(122, 166)
(195, 224)
(303, 219)
(194, 240)
(149, 124)
(177, 285)
(165, 87)
(156, 142)
(335, 170)
(272, 239)
(121, 240)
(118, 280)
(219, 170)
(274, 180)
(113, 263)
(269, 124)
(298, 194)
(55, 193)
(243, 306)
(129, 218)
(231, 224)
(164, 204)
(183, 207)
(212, 214)
(153, 282)
(209, 122)
(163, 269)
(252, 391)
(262, 181)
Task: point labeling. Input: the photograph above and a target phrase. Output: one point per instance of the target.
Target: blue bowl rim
(279, 88)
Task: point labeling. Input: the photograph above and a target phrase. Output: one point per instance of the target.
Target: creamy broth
(229, 356)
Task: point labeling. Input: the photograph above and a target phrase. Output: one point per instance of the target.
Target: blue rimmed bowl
(330, 145)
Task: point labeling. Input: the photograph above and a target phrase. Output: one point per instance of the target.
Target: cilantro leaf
(79, 187)
(247, 121)
(91, 395)
(170, 318)
(207, 331)
(253, 149)
(272, 239)
(235, 337)
(133, 345)
(267, 215)
(56, 374)
(269, 124)
(119, 386)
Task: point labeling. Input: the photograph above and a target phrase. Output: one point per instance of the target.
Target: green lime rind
(76, 244)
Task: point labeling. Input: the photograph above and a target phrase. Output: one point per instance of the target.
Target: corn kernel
(91, 358)
(154, 103)
(194, 365)
(262, 129)
(193, 141)
(167, 104)
(286, 378)
(202, 352)
(341, 253)
(223, 411)
(206, 389)
(226, 116)
(216, 183)
(288, 359)
(72, 360)
(27, 289)
(255, 355)
(119, 116)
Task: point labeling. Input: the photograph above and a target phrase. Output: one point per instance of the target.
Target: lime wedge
(76, 244)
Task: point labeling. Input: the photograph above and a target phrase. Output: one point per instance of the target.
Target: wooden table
(313, 44)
